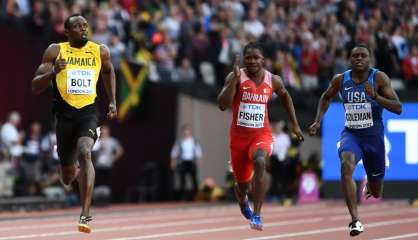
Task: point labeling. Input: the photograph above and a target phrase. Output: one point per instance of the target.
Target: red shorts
(242, 150)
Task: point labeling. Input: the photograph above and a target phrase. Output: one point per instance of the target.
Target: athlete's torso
(363, 115)
(75, 86)
(250, 113)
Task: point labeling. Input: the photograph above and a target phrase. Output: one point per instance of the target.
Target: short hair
(67, 20)
(361, 45)
(253, 45)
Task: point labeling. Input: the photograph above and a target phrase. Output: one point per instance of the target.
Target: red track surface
(320, 221)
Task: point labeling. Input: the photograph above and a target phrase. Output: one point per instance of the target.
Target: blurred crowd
(29, 163)
(306, 41)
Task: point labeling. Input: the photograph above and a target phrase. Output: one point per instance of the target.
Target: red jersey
(250, 113)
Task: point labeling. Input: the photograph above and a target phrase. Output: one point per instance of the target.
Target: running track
(326, 220)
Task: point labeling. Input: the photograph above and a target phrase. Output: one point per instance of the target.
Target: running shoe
(246, 210)
(355, 228)
(83, 224)
(256, 222)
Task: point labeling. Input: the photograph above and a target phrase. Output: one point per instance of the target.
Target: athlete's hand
(296, 130)
(314, 128)
(112, 111)
(370, 90)
(60, 64)
(237, 71)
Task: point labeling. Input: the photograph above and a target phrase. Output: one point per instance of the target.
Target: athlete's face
(360, 59)
(78, 30)
(253, 60)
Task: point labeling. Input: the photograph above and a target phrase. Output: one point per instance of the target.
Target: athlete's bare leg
(87, 174)
(241, 190)
(259, 179)
(348, 165)
(69, 173)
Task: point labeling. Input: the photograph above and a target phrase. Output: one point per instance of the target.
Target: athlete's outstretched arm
(46, 70)
(108, 75)
(324, 101)
(227, 94)
(287, 103)
(385, 96)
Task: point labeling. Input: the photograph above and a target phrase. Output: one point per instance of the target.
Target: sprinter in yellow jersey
(74, 68)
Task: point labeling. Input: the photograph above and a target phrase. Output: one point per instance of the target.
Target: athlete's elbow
(222, 106)
(221, 103)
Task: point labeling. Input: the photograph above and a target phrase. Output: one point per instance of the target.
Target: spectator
(341, 63)
(7, 175)
(199, 50)
(107, 151)
(9, 132)
(31, 161)
(310, 60)
(49, 150)
(281, 145)
(185, 157)
(410, 67)
(165, 55)
(184, 73)
(11, 137)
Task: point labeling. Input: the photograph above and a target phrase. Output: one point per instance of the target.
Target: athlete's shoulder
(336, 82)
(338, 77)
(381, 77)
(54, 46)
(52, 51)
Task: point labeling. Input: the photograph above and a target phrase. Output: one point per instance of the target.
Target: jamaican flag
(132, 80)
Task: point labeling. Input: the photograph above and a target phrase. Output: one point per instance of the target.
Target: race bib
(80, 81)
(251, 115)
(358, 115)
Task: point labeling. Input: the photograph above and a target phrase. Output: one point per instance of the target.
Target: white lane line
(376, 214)
(399, 236)
(117, 229)
(173, 224)
(336, 229)
(222, 229)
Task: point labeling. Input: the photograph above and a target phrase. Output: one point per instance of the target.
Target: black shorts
(69, 130)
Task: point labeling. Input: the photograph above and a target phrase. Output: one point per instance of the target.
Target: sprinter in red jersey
(247, 91)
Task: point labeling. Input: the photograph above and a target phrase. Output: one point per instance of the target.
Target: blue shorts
(370, 149)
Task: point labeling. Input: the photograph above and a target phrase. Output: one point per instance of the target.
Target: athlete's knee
(259, 159)
(84, 152)
(347, 163)
(347, 168)
(259, 162)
